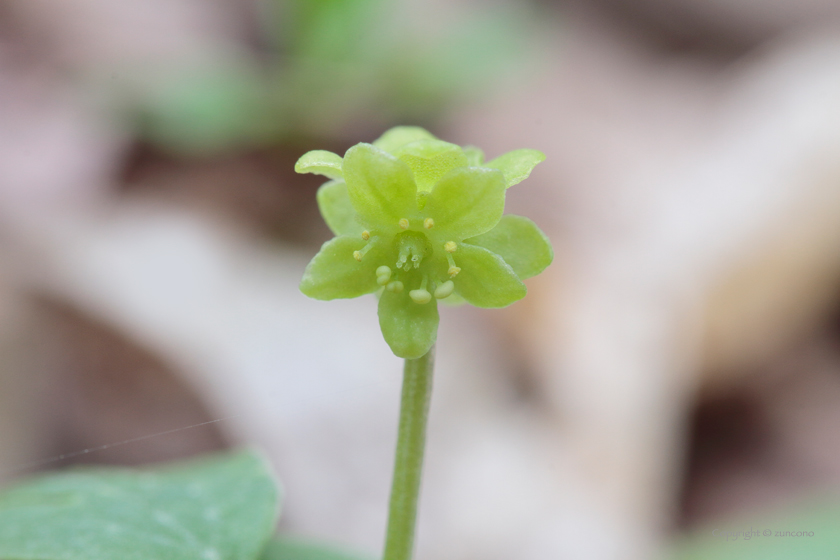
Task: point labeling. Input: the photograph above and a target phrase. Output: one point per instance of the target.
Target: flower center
(413, 247)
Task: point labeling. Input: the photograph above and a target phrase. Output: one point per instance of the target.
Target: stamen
(404, 223)
(428, 223)
(422, 295)
(359, 254)
(453, 270)
(445, 290)
(450, 246)
(383, 275)
(366, 235)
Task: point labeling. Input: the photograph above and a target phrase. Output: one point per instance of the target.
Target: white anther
(450, 246)
(404, 223)
(420, 296)
(366, 235)
(428, 223)
(445, 290)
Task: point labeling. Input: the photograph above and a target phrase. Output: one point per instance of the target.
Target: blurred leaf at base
(221, 508)
(808, 533)
(284, 548)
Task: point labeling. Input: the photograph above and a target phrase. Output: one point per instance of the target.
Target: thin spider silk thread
(56, 458)
(63, 456)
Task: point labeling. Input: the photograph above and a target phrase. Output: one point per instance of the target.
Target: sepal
(516, 165)
(320, 162)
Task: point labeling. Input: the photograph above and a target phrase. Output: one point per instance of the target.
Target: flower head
(418, 219)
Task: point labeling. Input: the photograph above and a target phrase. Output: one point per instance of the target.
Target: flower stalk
(408, 465)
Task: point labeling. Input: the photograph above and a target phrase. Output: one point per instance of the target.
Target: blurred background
(672, 378)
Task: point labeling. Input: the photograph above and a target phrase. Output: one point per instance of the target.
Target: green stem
(411, 441)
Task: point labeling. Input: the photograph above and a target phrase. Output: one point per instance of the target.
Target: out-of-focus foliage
(218, 508)
(294, 549)
(223, 508)
(331, 63)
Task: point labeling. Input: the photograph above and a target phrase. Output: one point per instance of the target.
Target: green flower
(419, 219)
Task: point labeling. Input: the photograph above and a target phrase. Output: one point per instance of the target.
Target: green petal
(320, 162)
(409, 328)
(468, 201)
(520, 243)
(516, 165)
(475, 157)
(486, 280)
(335, 206)
(380, 186)
(453, 300)
(430, 160)
(399, 136)
(335, 273)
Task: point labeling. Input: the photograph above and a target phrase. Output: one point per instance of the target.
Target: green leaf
(380, 186)
(337, 210)
(320, 162)
(397, 137)
(520, 243)
(335, 273)
(430, 160)
(223, 508)
(486, 280)
(409, 328)
(516, 165)
(467, 201)
(475, 157)
(293, 549)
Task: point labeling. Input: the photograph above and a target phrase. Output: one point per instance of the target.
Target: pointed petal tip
(517, 164)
